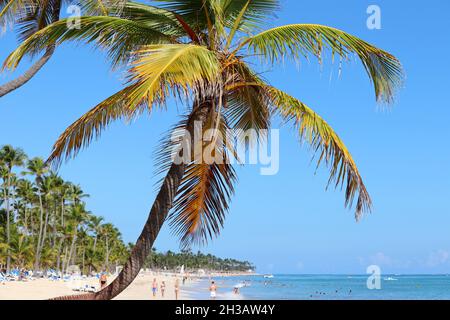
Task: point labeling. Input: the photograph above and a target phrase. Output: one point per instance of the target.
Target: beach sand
(140, 289)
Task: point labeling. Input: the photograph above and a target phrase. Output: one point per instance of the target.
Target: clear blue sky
(286, 222)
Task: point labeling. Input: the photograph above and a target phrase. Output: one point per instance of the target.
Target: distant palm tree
(9, 158)
(95, 224)
(22, 250)
(108, 232)
(38, 169)
(76, 217)
(25, 191)
(202, 49)
(48, 224)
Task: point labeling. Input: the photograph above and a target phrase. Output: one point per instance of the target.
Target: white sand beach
(140, 289)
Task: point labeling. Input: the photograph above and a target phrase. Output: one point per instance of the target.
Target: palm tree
(95, 224)
(108, 232)
(201, 50)
(76, 217)
(38, 169)
(25, 191)
(22, 251)
(76, 194)
(9, 158)
(47, 220)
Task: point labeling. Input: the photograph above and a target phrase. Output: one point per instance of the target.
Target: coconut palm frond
(247, 106)
(207, 186)
(159, 68)
(194, 13)
(156, 18)
(202, 202)
(81, 133)
(297, 40)
(159, 71)
(118, 36)
(9, 9)
(102, 7)
(237, 23)
(325, 142)
(246, 15)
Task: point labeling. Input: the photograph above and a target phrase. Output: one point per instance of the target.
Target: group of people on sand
(162, 287)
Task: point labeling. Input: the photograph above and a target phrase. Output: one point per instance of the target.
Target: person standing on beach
(177, 288)
(163, 288)
(103, 280)
(154, 287)
(213, 290)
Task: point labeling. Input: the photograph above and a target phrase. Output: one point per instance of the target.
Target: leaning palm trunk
(158, 213)
(30, 73)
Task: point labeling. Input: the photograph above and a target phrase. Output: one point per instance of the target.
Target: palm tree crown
(203, 47)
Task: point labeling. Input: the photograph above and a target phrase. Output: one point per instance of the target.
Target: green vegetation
(192, 262)
(50, 227)
(44, 222)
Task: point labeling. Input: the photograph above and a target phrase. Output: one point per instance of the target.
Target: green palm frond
(119, 36)
(192, 11)
(81, 133)
(156, 18)
(159, 68)
(101, 7)
(297, 40)
(36, 15)
(202, 203)
(8, 11)
(206, 189)
(247, 106)
(237, 23)
(249, 14)
(159, 71)
(325, 142)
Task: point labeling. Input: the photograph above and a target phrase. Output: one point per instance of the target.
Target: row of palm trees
(172, 260)
(44, 222)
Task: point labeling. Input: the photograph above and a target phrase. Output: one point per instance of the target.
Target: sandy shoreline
(140, 289)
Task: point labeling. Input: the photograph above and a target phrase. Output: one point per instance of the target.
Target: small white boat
(268, 276)
(390, 279)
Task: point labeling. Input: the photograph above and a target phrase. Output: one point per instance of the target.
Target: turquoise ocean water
(328, 287)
